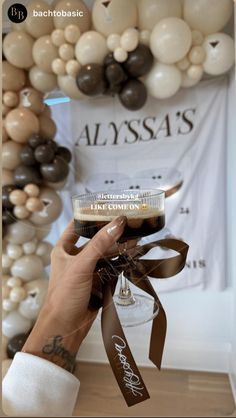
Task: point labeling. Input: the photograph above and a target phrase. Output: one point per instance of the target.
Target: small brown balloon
(24, 175)
(6, 191)
(133, 96)
(20, 124)
(91, 80)
(139, 61)
(44, 153)
(32, 100)
(13, 78)
(11, 155)
(47, 127)
(27, 156)
(56, 171)
(10, 99)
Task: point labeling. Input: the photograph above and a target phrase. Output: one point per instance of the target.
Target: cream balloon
(59, 66)
(150, 12)
(68, 6)
(183, 64)
(66, 52)
(12, 78)
(36, 24)
(144, 37)
(129, 39)
(43, 231)
(197, 37)
(207, 16)
(11, 99)
(68, 85)
(72, 68)
(197, 55)
(114, 17)
(58, 37)
(113, 41)
(11, 155)
(91, 48)
(47, 127)
(219, 49)
(17, 48)
(163, 80)
(41, 80)
(20, 232)
(44, 52)
(72, 34)
(14, 323)
(28, 267)
(188, 82)
(32, 100)
(52, 207)
(7, 177)
(20, 124)
(195, 72)
(170, 40)
(36, 291)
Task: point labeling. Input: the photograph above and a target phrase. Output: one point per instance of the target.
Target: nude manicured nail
(116, 226)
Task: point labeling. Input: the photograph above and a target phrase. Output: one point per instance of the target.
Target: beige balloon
(170, 40)
(4, 134)
(20, 232)
(38, 25)
(43, 231)
(220, 50)
(69, 6)
(13, 78)
(188, 82)
(30, 307)
(117, 16)
(11, 155)
(32, 100)
(20, 124)
(41, 80)
(150, 12)
(68, 85)
(52, 207)
(7, 177)
(91, 48)
(28, 267)
(17, 48)
(207, 16)
(47, 127)
(44, 52)
(163, 81)
(10, 98)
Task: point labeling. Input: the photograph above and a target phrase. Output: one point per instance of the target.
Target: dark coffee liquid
(136, 227)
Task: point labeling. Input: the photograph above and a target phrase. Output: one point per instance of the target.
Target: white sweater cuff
(36, 387)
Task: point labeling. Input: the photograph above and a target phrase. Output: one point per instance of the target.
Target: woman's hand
(66, 318)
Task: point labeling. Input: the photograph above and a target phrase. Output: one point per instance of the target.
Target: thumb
(101, 243)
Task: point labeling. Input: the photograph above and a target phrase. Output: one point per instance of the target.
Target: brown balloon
(64, 153)
(27, 156)
(13, 78)
(6, 191)
(139, 61)
(47, 127)
(56, 171)
(91, 80)
(24, 175)
(44, 153)
(133, 96)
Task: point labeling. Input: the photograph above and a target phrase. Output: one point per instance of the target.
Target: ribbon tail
(118, 352)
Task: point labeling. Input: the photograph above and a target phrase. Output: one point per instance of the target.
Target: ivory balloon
(114, 17)
(36, 291)
(150, 12)
(43, 231)
(195, 72)
(14, 251)
(17, 48)
(219, 49)
(170, 40)
(44, 52)
(68, 85)
(39, 25)
(7, 177)
(207, 16)
(20, 232)
(11, 155)
(13, 78)
(187, 82)
(14, 323)
(52, 207)
(20, 124)
(28, 267)
(197, 55)
(41, 80)
(83, 22)
(32, 99)
(91, 48)
(163, 80)
(47, 127)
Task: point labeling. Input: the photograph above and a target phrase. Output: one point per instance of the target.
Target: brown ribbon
(137, 271)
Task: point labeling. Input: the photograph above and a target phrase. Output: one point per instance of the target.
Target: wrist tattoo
(59, 354)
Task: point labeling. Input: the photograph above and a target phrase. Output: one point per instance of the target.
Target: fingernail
(117, 225)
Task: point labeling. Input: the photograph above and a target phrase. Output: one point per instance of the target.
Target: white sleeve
(36, 387)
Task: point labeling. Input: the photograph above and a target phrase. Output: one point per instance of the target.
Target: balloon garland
(124, 48)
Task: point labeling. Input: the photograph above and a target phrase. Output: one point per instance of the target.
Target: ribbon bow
(137, 271)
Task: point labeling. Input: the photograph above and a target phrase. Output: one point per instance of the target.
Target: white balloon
(197, 55)
(150, 12)
(68, 85)
(219, 49)
(195, 72)
(170, 40)
(208, 16)
(14, 323)
(117, 16)
(113, 41)
(20, 232)
(163, 80)
(129, 39)
(14, 251)
(36, 291)
(188, 82)
(28, 267)
(91, 48)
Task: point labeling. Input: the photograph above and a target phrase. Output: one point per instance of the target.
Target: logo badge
(17, 13)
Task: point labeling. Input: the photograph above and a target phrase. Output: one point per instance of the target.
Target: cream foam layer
(98, 217)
